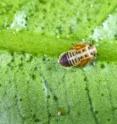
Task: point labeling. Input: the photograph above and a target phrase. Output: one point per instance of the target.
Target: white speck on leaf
(108, 30)
(19, 21)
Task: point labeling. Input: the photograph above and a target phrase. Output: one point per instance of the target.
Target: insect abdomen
(69, 59)
(64, 60)
(73, 58)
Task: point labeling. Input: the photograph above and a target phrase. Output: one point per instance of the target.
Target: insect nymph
(79, 56)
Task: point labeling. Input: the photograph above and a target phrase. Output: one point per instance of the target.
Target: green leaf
(47, 45)
(34, 87)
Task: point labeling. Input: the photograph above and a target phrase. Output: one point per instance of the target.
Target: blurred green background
(34, 88)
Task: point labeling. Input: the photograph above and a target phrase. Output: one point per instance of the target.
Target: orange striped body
(80, 55)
